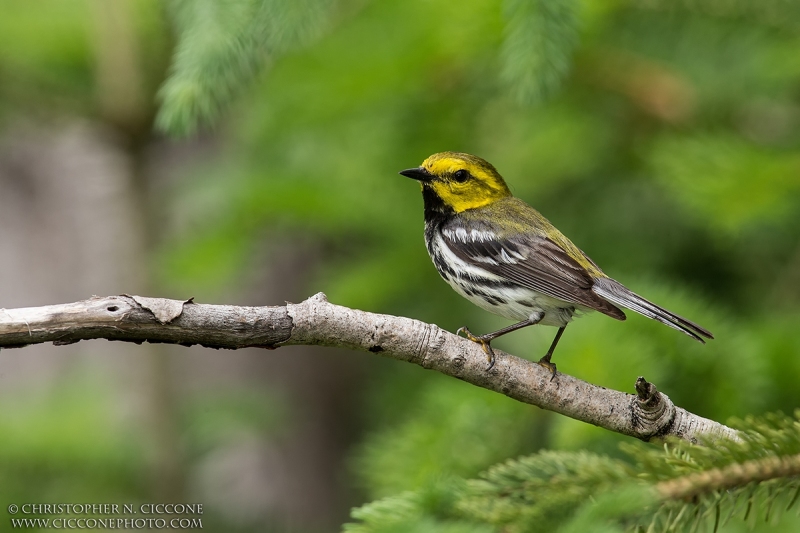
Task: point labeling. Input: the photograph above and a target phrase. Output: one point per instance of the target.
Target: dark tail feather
(615, 292)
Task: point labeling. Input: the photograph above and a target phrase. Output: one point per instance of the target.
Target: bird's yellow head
(456, 182)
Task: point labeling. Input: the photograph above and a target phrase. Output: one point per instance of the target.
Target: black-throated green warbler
(502, 255)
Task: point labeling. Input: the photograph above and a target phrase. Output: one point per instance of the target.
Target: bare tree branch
(647, 415)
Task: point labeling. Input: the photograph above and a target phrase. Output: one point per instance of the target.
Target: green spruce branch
(732, 476)
(221, 46)
(540, 37)
(678, 487)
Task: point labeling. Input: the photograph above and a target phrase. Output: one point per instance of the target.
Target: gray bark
(647, 415)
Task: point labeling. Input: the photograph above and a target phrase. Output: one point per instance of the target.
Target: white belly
(516, 303)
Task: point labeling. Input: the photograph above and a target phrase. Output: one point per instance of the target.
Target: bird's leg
(545, 361)
(484, 340)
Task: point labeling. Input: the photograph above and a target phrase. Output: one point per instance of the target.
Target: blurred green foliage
(45, 455)
(662, 137)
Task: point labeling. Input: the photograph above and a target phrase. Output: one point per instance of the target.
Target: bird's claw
(545, 362)
(487, 348)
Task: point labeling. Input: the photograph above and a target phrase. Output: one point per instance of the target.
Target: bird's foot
(545, 362)
(487, 348)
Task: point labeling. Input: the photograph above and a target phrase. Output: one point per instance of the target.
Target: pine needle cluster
(675, 487)
(222, 46)
(540, 37)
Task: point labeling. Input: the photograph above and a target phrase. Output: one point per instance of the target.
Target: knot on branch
(653, 413)
(319, 297)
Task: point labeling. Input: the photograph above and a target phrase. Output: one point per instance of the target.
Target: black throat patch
(435, 208)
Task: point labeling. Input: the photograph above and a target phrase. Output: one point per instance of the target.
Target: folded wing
(532, 262)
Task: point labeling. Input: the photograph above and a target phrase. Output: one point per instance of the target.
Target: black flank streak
(494, 284)
(491, 300)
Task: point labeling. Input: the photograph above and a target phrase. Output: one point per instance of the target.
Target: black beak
(419, 174)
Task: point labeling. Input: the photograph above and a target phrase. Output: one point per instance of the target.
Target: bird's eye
(461, 175)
